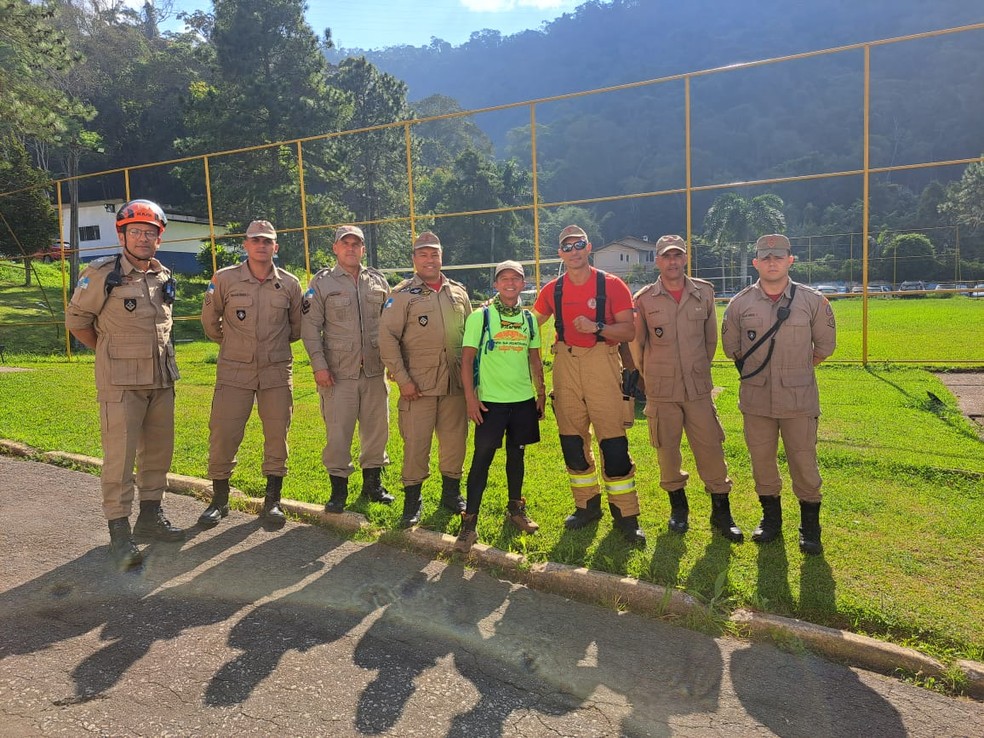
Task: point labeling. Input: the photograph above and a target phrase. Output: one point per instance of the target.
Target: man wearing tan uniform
(777, 331)
(592, 314)
(122, 308)
(253, 311)
(676, 337)
(340, 329)
(420, 343)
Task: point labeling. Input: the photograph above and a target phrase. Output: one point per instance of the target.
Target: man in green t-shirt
(504, 340)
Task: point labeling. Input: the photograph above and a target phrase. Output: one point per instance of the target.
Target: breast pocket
(752, 328)
(338, 308)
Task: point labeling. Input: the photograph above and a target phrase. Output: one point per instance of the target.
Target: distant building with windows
(618, 257)
(97, 235)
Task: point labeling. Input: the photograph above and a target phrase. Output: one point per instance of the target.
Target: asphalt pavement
(242, 631)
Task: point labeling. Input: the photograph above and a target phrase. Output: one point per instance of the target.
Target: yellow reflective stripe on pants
(584, 481)
(622, 487)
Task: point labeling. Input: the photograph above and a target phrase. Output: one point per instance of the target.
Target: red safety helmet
(140, 211)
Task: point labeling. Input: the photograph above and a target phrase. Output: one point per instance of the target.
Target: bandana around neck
(509, 312)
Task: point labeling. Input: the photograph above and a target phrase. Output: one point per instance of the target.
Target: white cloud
(506, 6)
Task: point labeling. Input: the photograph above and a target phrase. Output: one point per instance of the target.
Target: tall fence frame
(688, 190)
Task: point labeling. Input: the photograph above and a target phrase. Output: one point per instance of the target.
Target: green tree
(268, 84)
(34, 53)
(375, 185)
(441, 141)
(27, 220)
(478, 183)
(733, 223)
(964, 201)
(908, 256)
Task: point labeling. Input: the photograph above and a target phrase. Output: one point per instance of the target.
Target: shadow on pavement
(802, 696)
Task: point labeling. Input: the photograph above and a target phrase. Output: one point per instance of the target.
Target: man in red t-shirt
(587, 390)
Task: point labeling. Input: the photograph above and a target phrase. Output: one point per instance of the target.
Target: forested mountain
(790, 119)
(100, 87)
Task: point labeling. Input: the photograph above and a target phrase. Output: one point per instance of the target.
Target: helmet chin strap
(134, 257)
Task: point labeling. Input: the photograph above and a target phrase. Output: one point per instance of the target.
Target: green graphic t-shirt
(504, 371)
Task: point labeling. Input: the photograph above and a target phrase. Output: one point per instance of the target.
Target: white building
(97, 235)
(618, 257)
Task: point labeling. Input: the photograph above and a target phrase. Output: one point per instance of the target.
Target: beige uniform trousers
(231, 408)
(139, 426)
(799, 438)
(419, 419)
(365, 400)
(587, 394)
(705, 436)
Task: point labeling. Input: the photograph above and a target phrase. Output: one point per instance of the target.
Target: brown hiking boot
(467, 536)
(516, 514)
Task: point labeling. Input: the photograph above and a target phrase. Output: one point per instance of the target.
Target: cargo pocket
(131, 359)
(423, 370)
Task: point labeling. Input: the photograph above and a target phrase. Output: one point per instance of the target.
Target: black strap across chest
(600, 302)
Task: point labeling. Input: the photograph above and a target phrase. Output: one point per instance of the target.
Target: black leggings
(478, 475)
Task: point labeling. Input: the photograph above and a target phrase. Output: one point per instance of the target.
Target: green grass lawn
(903, 492)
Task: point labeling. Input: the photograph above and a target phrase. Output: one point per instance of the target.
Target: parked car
(53, 252)
(978, 290)
(951, 286)
(912, 286)
(873, 289)
(827, 289)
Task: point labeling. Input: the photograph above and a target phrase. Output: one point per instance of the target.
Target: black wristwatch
(600, 327)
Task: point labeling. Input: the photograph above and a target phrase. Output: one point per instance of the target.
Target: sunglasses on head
(569, 247)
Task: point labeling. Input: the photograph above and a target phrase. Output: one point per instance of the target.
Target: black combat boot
(451, 498)
(152, 524)
(810, 528)
(586, 515)
(679, 512)
(411, 506)
(271, 514)
(339, 494)
(467, 535)
(219, 507)
(122, 549)
(373, 488)
(628, 526)
(770, 527)
(721, 519)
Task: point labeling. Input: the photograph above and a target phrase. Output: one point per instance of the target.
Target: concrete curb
(608, 590)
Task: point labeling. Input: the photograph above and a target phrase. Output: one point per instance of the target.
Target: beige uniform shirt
(340, 323)
(678, 342)
(254, 323)
(787, 387)
(132, 324)
(420, 335)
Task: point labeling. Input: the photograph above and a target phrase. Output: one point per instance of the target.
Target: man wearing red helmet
(122, 308)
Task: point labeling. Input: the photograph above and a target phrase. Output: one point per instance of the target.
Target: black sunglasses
(569, 247)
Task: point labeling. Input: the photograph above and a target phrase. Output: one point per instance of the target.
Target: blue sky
(374, 24)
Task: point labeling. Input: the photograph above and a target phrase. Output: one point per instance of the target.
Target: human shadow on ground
(773, 576)
(803, 696)
(817, 588)
(214, 595)
(323, 611)
(569, 654)
(87, 592)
